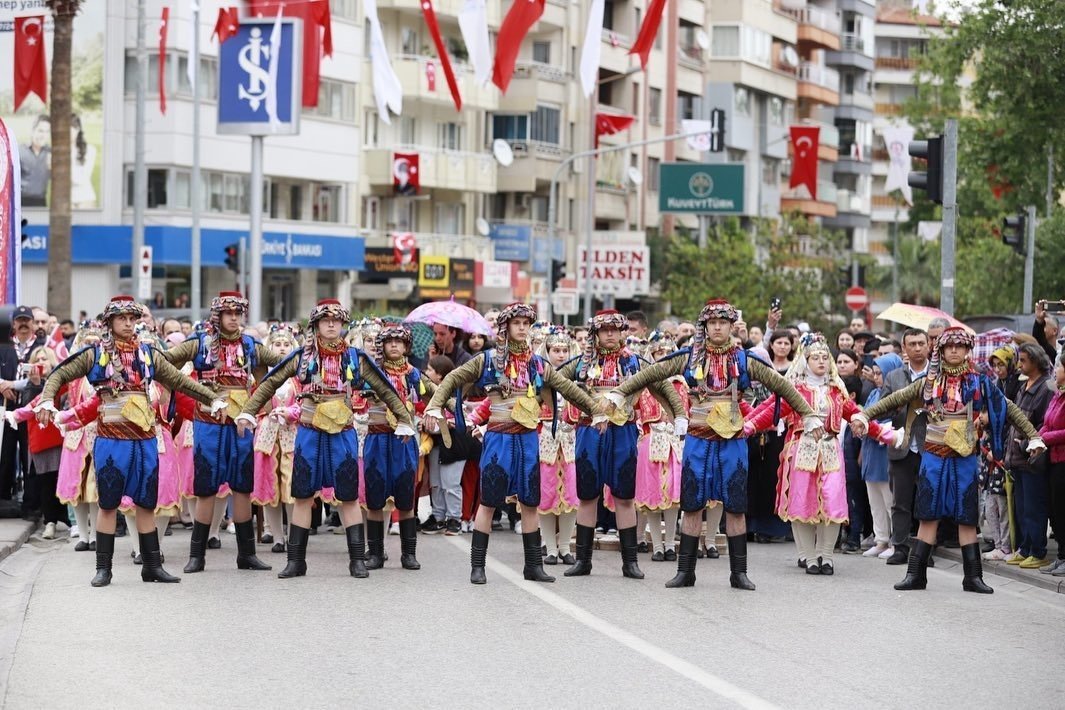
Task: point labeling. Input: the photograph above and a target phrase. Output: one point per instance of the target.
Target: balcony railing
(538, 70)
(691, 54)
(887, 109)
(896, 62)
(847, 201)
(540, 229)
(851, 42)
(616, 39)
(826, 192)
(537, 148)
(816, 17)
(817, 74)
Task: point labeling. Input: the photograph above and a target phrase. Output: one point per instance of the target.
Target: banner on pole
(10, 219)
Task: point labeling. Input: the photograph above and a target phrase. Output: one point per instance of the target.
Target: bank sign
(701, 188)
(259, 79)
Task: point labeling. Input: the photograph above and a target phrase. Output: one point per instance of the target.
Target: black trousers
(51, 509)
(902, 477)
(1056, 479)
(14, 457)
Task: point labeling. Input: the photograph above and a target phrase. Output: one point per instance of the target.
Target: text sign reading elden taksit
(701, 188)
(621, 264)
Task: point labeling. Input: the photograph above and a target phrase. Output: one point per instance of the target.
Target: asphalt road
(421, 639)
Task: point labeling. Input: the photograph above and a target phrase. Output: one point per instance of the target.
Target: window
(687, 105)
(235, 195)
(542, 52)
(450, 137)
(545, 126)
(770, 171)
(157, 178)
(213, 182)
(207, 77)
(409, 41)
(182, 188)
(608, 15)
(336, 100)
(654, 165)
(408, 130)
(327, 203)
(295, 202)
(449, 218)
(370, 129)
(776, 111)
(511, 128)
(725, 41)
(346, 9)
(654, 107)
(742, 42)
(635, 98)
(742, 101)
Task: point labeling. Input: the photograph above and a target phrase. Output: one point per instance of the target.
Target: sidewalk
(1028, 576)
(14, 532)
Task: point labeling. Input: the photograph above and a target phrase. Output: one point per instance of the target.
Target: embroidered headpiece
(717, 308)
(606, 319)
(799, 369)
(282, 333)
(231, 301)
(329, 308)
(955, 335)
(89, 329)
(658, 341)
(514, 310)
(121, 305)
(394, 331)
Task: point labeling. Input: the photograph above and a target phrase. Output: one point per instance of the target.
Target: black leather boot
(534, 563)
(375, 544)
(973, 581)
(478, 555)
(198, 547)
(357, 550)
(246, 558)
(585, 540)
(152, 568)
(297, 552)
(408, 542)
(105, 552)
(687, 556)
(916, 567)
(737, 563)
(629, 561)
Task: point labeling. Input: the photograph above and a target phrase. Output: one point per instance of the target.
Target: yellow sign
(434, 271)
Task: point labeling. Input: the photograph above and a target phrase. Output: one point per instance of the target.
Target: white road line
(718, 686)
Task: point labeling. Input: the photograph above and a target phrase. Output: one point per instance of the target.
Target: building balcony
(818, 84)
(852, 53)
(615, 54)
(817, 29)
(852, 212)
(457, 246)
(534, 83)
(903, 63)
(437, 169)
(612, 202)
(882, 109)
(692, 56)
(414, 74)
(693, 11)
(849, 164)
(799, 200)
(534, 166)
(766, 15)
(445, 9)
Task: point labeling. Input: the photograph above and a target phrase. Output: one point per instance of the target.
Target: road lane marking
(715, 684)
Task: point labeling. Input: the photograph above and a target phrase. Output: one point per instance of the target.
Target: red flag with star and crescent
(31, 69)
(804, 141)
(607, 124)
(441, 51)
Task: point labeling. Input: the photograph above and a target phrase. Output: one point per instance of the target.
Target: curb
(8, 547)
(1001, 569)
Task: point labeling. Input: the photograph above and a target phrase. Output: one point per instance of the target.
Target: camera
(774, 304)
(1054, 306)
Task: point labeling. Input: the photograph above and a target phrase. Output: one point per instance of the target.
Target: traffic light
(558, 272)
(931, 181)
(717, 130)
(233, 257)
(1013, 232)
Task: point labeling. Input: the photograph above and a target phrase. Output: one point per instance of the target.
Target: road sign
(856, 298)
(701, 188)
(144, 274)
(564, 302)
(259, 94)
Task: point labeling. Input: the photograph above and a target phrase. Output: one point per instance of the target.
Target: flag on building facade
(645, 40)
(441, 51)
(804, 143)
(227, 24)
(10, 218)
(405, 178)
(607, 124)
(164, 23)
(521, 16)
(31, 68)
(593, 48)
(473, 23)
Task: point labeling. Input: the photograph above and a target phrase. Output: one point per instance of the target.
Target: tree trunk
(60, 110)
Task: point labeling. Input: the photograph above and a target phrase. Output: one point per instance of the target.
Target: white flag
(701, 141)
(898, 139)
(593, 48)
(271, 83)
(473, 22)
(194, 60)
(929, 231)
(387, 90)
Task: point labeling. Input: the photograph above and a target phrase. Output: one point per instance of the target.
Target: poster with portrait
(30, 124)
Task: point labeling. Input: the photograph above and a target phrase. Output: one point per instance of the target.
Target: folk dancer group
(654, 433)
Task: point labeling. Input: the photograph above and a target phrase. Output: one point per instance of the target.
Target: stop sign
(856, 298)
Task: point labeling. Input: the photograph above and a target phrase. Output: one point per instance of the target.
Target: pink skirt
(184, 460)
(273, 478)
(77, 476)
(811, 496)
(169, 500)
(657, 482)
(558, 487)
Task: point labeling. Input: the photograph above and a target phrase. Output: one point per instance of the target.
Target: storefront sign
(511, 241)
(381, 266)
(701, 188)
(621, 264)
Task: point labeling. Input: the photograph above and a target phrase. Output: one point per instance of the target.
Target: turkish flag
(648, 31)
(403, 245)
(31, 69)
(804, 140)
(163, 24)
(441, 50)
(607, 124)
(317, 36)
(405, 173)
(520, 18)
(227, 24)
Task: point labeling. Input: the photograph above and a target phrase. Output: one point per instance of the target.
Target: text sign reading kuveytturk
(701, 188)
(259, 79)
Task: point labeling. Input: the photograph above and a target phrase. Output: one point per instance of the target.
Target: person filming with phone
(1045, 327)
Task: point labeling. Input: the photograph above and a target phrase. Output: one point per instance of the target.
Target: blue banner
(172, 246)
(252, 84)
(511, 241)
(544, 250)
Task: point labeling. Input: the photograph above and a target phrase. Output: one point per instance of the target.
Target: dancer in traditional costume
(125, 450)
(518, 383)
(953, 395)
(326, 450)
(226, 360)
(558, 472)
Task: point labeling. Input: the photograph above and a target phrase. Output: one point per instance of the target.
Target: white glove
(219, 404)
(404, 430)
(680, 426)
(598, 419)
(811, 422)
(243, 416)
(9, 417)
(434, 414)
(48, 405)
(616, 399)
(1036, 445)
(900, 439)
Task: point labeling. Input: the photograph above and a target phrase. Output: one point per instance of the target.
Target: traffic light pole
(195, 298)
(1029, 260)
(255, 234)
(950, 216)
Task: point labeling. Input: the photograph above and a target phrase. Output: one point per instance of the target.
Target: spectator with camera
(1045, 327)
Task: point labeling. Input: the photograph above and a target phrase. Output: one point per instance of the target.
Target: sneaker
(876, 550)
(868, 541)
(231, 528)
(886, 554)
(467, 526)
(849, 548)
(393, 528)
(1055, 565)
(1015, 559)
(49, 532)
(995, 555)
(1033, 562)
(430, 523)
(433, 526)
(452, 527)
(74, 532)
(517, 528)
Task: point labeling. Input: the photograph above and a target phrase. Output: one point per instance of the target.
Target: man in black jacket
(1045, 330)
(14, 454)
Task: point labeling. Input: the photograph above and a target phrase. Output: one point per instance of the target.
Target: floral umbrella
(451, 314)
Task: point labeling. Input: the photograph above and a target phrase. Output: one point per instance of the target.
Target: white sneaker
(875, 550)
(49, 532)
(74, 532)
(231, 529)
(517, 528)
(886, 553)
(467, 526)
(393, 529)
(995, 555)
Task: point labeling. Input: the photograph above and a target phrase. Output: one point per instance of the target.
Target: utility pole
(140, 174)
(950, 216)
(195, 286)
(1029, 260)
